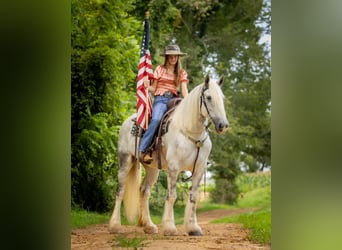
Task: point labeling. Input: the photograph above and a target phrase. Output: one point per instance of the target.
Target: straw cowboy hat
(172, 49)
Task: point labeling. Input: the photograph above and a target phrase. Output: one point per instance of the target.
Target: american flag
(144, 103)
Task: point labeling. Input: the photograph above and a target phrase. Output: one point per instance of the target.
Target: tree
(249, 90)
(103, 60)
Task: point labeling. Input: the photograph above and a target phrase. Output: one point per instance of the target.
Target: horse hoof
(151, 230)
(195, 233)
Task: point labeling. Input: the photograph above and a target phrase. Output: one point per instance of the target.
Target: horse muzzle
(221, 126)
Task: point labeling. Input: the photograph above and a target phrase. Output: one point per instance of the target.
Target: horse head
(212, 101)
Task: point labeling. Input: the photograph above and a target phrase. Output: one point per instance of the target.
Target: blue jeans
(159, 109)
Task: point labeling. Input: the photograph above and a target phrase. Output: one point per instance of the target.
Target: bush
(225, 192)
(93, 164)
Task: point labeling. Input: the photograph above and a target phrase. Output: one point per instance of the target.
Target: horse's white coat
(179, 154)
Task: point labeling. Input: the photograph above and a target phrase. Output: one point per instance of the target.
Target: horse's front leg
(169, 227)
(190, 218)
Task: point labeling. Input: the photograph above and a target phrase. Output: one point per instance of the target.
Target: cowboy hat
(172, 49)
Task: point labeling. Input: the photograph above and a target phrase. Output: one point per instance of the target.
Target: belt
(169, 94)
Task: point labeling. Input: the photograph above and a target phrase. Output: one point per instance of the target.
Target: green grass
(82, 218)
(208, 206)
(131, 243)
(259, 197)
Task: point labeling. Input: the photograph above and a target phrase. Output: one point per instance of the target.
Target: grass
(208, 206)
(83, 218)
(259, 197)
(129, 243)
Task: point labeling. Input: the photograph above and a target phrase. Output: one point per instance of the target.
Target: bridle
(202, 101)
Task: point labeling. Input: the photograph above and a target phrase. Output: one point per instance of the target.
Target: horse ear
(220, 81)
(206, 83)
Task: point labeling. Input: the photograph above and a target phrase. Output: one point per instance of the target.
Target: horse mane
(187, 112)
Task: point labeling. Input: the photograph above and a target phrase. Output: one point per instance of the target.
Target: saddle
(163, 128)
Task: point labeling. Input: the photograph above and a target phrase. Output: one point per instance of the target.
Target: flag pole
(147, 105)
(147, 15)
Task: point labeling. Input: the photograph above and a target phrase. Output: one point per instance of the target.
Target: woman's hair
(178, 69)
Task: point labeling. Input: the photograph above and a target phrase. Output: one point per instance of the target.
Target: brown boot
(145, 157)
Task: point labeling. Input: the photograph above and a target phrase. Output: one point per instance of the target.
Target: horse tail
(132, 192)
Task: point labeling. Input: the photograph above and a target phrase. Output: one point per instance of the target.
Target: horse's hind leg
(125, 164)
(145, 192)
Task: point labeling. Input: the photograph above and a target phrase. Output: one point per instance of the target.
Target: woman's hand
(150, 89)
(146, 82)
(148, 86)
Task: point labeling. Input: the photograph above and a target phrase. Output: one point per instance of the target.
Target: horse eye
(209, 98)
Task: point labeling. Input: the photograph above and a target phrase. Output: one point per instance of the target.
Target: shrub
(225, 192)
(93, 160)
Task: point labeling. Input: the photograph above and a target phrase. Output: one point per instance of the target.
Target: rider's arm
(184, 88)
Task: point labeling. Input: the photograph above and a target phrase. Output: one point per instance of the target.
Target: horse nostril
(223, 126)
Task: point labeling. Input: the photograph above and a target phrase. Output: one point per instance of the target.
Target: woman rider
(167, 80)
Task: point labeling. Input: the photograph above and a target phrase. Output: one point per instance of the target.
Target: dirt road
(216, 236)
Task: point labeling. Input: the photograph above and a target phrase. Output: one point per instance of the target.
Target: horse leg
(125, 166)
(169, 227)
(190, 218)
(145, 192)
